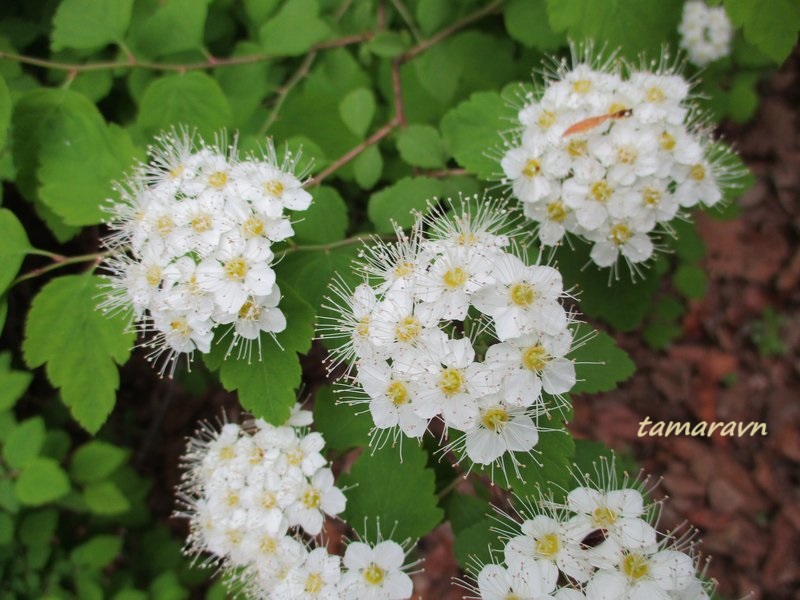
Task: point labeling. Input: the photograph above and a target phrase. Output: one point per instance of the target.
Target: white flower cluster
(451, 324)
(611, 159)
(256, 495)
(193, 233)
(601, 544)
(706, 32)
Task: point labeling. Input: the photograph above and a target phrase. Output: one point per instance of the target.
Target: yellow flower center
(577, 147)
(620, 233)
(604, 517)
(311, 498)
(532, 168)
(164, 225)
(373, 574)
(582, 86)
(232, 499)
(294, 456)
(408, 329)
(202, 223)
(495, 419)
(466, 239)
(314, 583)
(548, 545)
(617, 107)
(397, 392)
(697, 172)
(227, 453)
(268, 545)
(626, 156)
(234, 536)
(253, 227)
(547, 119)
(269, 500)
(455, 278)
(556, 211)
(451, 381)
(256, 455)
(273, 188)
(176, 172)
(655, 94)
(153, 275)
(522, 294)
(601, 191)
(236, 269)
(635, 566)
(250, 311)
(651, 196)
(362, 327)
(403, 269)
(218, 179)
(535, 358)
(667, 141)
(181, 327)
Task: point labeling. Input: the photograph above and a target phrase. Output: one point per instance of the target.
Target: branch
(283, 92)
(61, 261)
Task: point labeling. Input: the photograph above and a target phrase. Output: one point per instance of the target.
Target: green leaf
(599, 363)
(5, 111)
(6, 529)
(161, 27)
(395, 203)
(105, 498)
(472, 129)
(439, 70)
(664, 324)
(309, 273)
(401, 493)
(258, 11)
(474, 542)
(14, 245)
(63, 313)
(96, 460)
(98, 552)
(12, 386)
(388, 44)
(771, 27)
(549, 466)
(192, 99)
(268, 387)
(326, 219)
(432, 14)
(634, 27)
(38, 527)
(109, 21)
(687, 243)
(245, 86)
(294, 29)
(24, 443)
(368, 167)
(41, 481)
(691, 281)
(342, 426)
(526, 21)
(421, 146)
(463, 511)
(357, 110)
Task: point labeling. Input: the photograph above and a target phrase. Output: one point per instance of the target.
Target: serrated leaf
(294, 29)
(634, 27)
(41, 481)
(12, 385)
(5, 111)
(387, 44)
(310, 273)
(691, 281)
(395, 203)
(96, 460)
(24, 443)
(161, 27)
(342, 426)
(98, 552)
(326, 219)
(549, 467)
(109, 21)
(14, 245)
(472, 129)
(192, 99)
(105, 498)
(245, 86)
(357, 110)
(771, 27)
(401, 493)
(38, 527)
(474, 543)
(368, 167)
(421, 146)
(526, 21)
(463, 511)
(63, 313)
(599, 363)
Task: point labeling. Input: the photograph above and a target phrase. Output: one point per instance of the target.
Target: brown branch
(444, 173)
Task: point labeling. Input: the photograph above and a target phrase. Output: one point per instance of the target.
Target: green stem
(58, 262)
(446, 490)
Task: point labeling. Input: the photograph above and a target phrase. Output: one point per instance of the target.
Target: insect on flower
(592, 122)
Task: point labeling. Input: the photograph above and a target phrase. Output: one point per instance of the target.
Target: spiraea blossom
(191, 241)
(601, 543)
(706, 32)
(453, 324)
(611, 153)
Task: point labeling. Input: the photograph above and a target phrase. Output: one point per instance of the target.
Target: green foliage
(421, 146)
(527, 22)
(294, 29)
(5, 111)
(325, 221)
(599, 364)
(396, 491)
(62, 315)
(357, 110)
(14, 245)
(109, 22)
(40, 482)
(771, 27)
(24, 442)
(163, 28)
(340, 433)
(394, 204)
(96, 460)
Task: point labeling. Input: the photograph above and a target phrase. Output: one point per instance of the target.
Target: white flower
(375, 573)
(499, 429)
(534, 583)
(316, 578)
(392, 395)
(698, 185)
(534, 174)
(642, 575)
(617, 237)
(316, 498)
(270, 188)
(705, 31)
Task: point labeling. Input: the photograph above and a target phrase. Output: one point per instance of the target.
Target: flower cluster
(451, 323)
(256, 497)
(705, 31)
(611, 157)
(600, 544)
(192, 236)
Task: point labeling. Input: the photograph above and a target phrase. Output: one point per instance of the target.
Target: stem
(61, 261)
(443, 493)
(283, 92)
(402, 9)
(355, 239)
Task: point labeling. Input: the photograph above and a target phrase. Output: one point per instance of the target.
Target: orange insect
(593, 122)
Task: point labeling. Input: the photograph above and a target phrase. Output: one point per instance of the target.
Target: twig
(399, 111)
(61, 261)
(283, 92)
